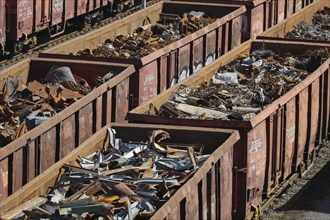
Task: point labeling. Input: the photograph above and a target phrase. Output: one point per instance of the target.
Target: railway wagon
(281, 30)
(263, 14)
(168, 65)
(2, 28)
(277, 142)
(83, 119)
(206, 194)
(23, 20)
(70, 119)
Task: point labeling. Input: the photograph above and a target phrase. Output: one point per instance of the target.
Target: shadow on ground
(314, 196)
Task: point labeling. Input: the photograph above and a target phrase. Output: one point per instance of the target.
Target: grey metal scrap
(23, 107)
(242, 88)
(318, 30)
(151, 37)
(124, 181)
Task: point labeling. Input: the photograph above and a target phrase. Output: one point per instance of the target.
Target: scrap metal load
(150, 38)
(126, 180)
(318, 30)
(241, 89)
(23, 107)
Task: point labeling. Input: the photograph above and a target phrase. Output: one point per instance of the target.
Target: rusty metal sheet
(326, 107)
(313, 115)
(205, 197)
(81, 7)
(107, 107)
(69, 9)
(97, 4)
(279, 144)
(2, 23)
(269, 14)
(220, 41)
(289, 8)
(18, 172)
(148, 81)
(42, 10)
(122, 90)
(164, 61)
(321, 107)
(280, 11)
(298, 5)
(256, 164)
(68, 137)
(4, 179)
(98, 114)
(31, 160)
(85, 123)
(271, 146)
(302, 125)
(290, 134)
(198, 49)
(210, 47)
(226, 39)
(47, 149)
(214, 203)
(22, 12)
(184, 63)
(236, 31)
(257, 21)
(226, 183)
(192, 204)
(174, 213)
(90, 5)
(172, 78)
(57, 11)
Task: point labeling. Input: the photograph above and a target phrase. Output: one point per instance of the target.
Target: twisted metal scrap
(150, 38)
(318, 30)
(244, 87)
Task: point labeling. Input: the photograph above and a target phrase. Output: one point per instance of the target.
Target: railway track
(58, 40)
(302, 193)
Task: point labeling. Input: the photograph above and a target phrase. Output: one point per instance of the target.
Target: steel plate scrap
(243, 88)
(318, 30)
(126, 180)
(150, 38)
(23, 107)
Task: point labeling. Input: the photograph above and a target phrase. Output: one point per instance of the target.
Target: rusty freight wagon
(276, 140)
(2, 28)
(263, 14)
(42, 121)
(163, 67)
(308, 25)
(257, 18)
(202, 192)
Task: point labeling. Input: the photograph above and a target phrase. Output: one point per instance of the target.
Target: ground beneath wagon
(308, 197)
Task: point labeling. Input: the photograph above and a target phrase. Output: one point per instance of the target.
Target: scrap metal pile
(150, 38)
(127, 180)
(23, 107)
(241, 89)
(318, 30)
